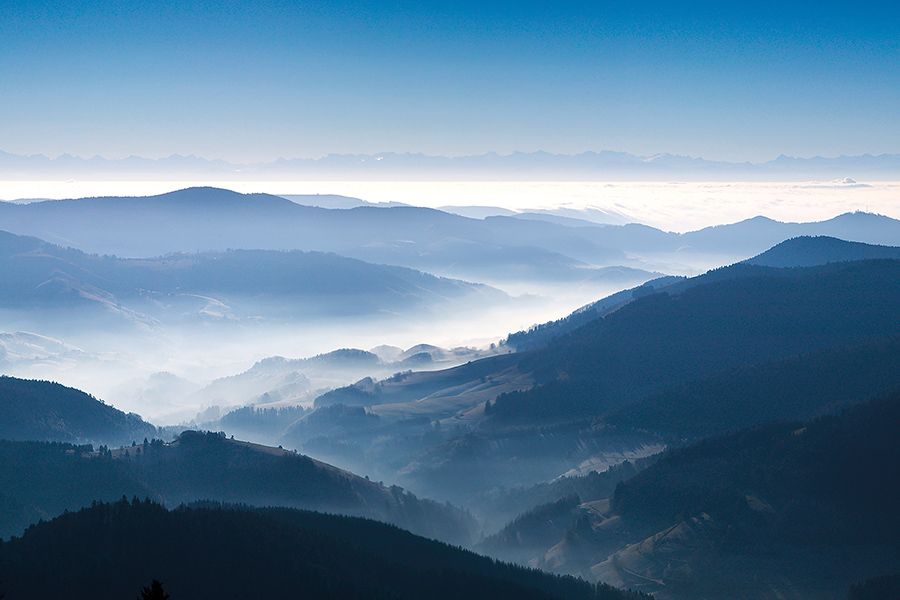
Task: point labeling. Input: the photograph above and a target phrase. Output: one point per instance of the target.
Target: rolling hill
(812, 251)
(209, 219)
(728, 318)
(781, 510)
(46, 411)
(217, 285)
(113, 550)
(788, 499)
(40, 480)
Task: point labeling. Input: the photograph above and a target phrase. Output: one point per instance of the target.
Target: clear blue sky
(255, 81)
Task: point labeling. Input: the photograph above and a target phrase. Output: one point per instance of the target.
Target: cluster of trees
(877, 588)
(264, 423)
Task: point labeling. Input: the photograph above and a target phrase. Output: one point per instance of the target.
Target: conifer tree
(154, 591)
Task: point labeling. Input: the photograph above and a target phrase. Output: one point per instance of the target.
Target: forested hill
(803, 251)
(782, 510)
(800, 387)
(729, 318)
(539, 336)
(808, 251)
(39, 480)
(46, 411)
(767, 510)
(109, 551)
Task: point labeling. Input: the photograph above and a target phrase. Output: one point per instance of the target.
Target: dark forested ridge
(46, 411)
(113, 550)
(539, 336)
(815, 502)
(39, 480)
(780, 510)
(726, 319)
(808, 251)
(803, 251)
(797, 388)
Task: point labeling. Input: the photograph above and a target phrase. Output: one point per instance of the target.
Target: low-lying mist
(114, 359)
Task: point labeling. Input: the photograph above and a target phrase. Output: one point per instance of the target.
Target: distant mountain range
(203, 219)
(494, 249)
(518, 165)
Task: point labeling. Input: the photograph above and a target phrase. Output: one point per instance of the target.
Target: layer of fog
(104, 361)
(672, 206)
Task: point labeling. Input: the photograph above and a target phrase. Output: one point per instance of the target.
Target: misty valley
(233, 395)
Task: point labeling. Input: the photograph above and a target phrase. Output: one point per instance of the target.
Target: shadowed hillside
(112, 550)
(46, 411)
(781, 510)
(726, 319)
(40, 480)
(811, 251)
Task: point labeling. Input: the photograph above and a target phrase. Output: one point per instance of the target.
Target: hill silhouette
(47, 411)
(40, 479)
(113, 550)
(728, 318)
(783, 509)
(810, 251)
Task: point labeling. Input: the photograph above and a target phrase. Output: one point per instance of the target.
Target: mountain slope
(112, 550)
(789, 500)
(783, 510)
(797, 388)
(728, 318)
(811, 251)
(46, 411)
(539, 336)
(804, 251)
(41, 480)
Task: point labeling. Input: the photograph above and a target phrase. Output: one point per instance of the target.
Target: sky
(255, 81)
